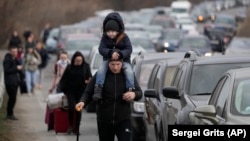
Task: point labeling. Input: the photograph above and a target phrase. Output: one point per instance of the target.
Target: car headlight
(200, 18)
(208, 54)
(166, 44)
(139, 107)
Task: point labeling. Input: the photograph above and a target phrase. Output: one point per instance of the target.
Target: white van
(180, 8)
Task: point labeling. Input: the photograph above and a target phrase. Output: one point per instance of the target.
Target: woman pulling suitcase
(73, 83)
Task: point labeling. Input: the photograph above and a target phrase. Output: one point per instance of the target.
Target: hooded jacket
(73, 78)
(11, 73)
(112, 108)
(108, 46)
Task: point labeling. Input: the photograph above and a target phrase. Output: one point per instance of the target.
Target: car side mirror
(151, 93)
(171, 92)
(205, 114)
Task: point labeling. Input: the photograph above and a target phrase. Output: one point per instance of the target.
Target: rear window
(205, 77)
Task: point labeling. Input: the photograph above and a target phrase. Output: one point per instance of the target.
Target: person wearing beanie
(115, 44)
(112, 120)
(112, 25)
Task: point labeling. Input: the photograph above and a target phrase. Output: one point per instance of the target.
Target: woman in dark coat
(73, 83)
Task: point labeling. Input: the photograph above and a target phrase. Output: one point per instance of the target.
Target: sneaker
(12, 117)
(97, 93)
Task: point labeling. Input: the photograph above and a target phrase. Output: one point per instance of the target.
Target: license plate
(214, 42)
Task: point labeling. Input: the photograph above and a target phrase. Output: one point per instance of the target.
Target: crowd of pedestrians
(23, 65)
(114, 84)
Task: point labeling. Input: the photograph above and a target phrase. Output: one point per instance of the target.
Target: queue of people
(113, 87)
(23, 64)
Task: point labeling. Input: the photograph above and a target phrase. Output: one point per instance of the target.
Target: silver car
(229, 102)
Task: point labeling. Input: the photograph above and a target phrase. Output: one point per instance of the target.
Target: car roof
(220, 59)
(170, 62)
(155, 55)
(225, 15)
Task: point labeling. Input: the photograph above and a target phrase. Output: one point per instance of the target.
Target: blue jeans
(101, 74)
(30, 77)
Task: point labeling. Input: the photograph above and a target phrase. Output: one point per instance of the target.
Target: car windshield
(194, 43)
(179, 10)
(241, 97)
(210, 75)
(80, 44)
(145, 74)
(172, 35)
(224, 20)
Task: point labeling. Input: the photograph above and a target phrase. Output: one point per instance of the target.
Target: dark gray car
(229, 102)
(197, 43)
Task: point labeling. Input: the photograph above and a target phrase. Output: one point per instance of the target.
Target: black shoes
(97, 92)
(12, 117)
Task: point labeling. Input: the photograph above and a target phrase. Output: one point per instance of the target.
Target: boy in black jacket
(113, 111)
(115, 44)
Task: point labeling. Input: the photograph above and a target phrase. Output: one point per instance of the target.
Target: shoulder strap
(120, 37)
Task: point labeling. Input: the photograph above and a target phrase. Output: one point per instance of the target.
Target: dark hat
(112, 25)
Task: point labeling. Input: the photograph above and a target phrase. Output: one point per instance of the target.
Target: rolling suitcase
(49, 118)
(61, 122)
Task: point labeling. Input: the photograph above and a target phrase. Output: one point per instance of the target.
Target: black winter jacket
(73, 79)
(15, 41)
(11, 73)
(108, 46)
(44, 58)
(112, 108)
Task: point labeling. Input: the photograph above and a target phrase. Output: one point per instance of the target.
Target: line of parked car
(176, 86)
